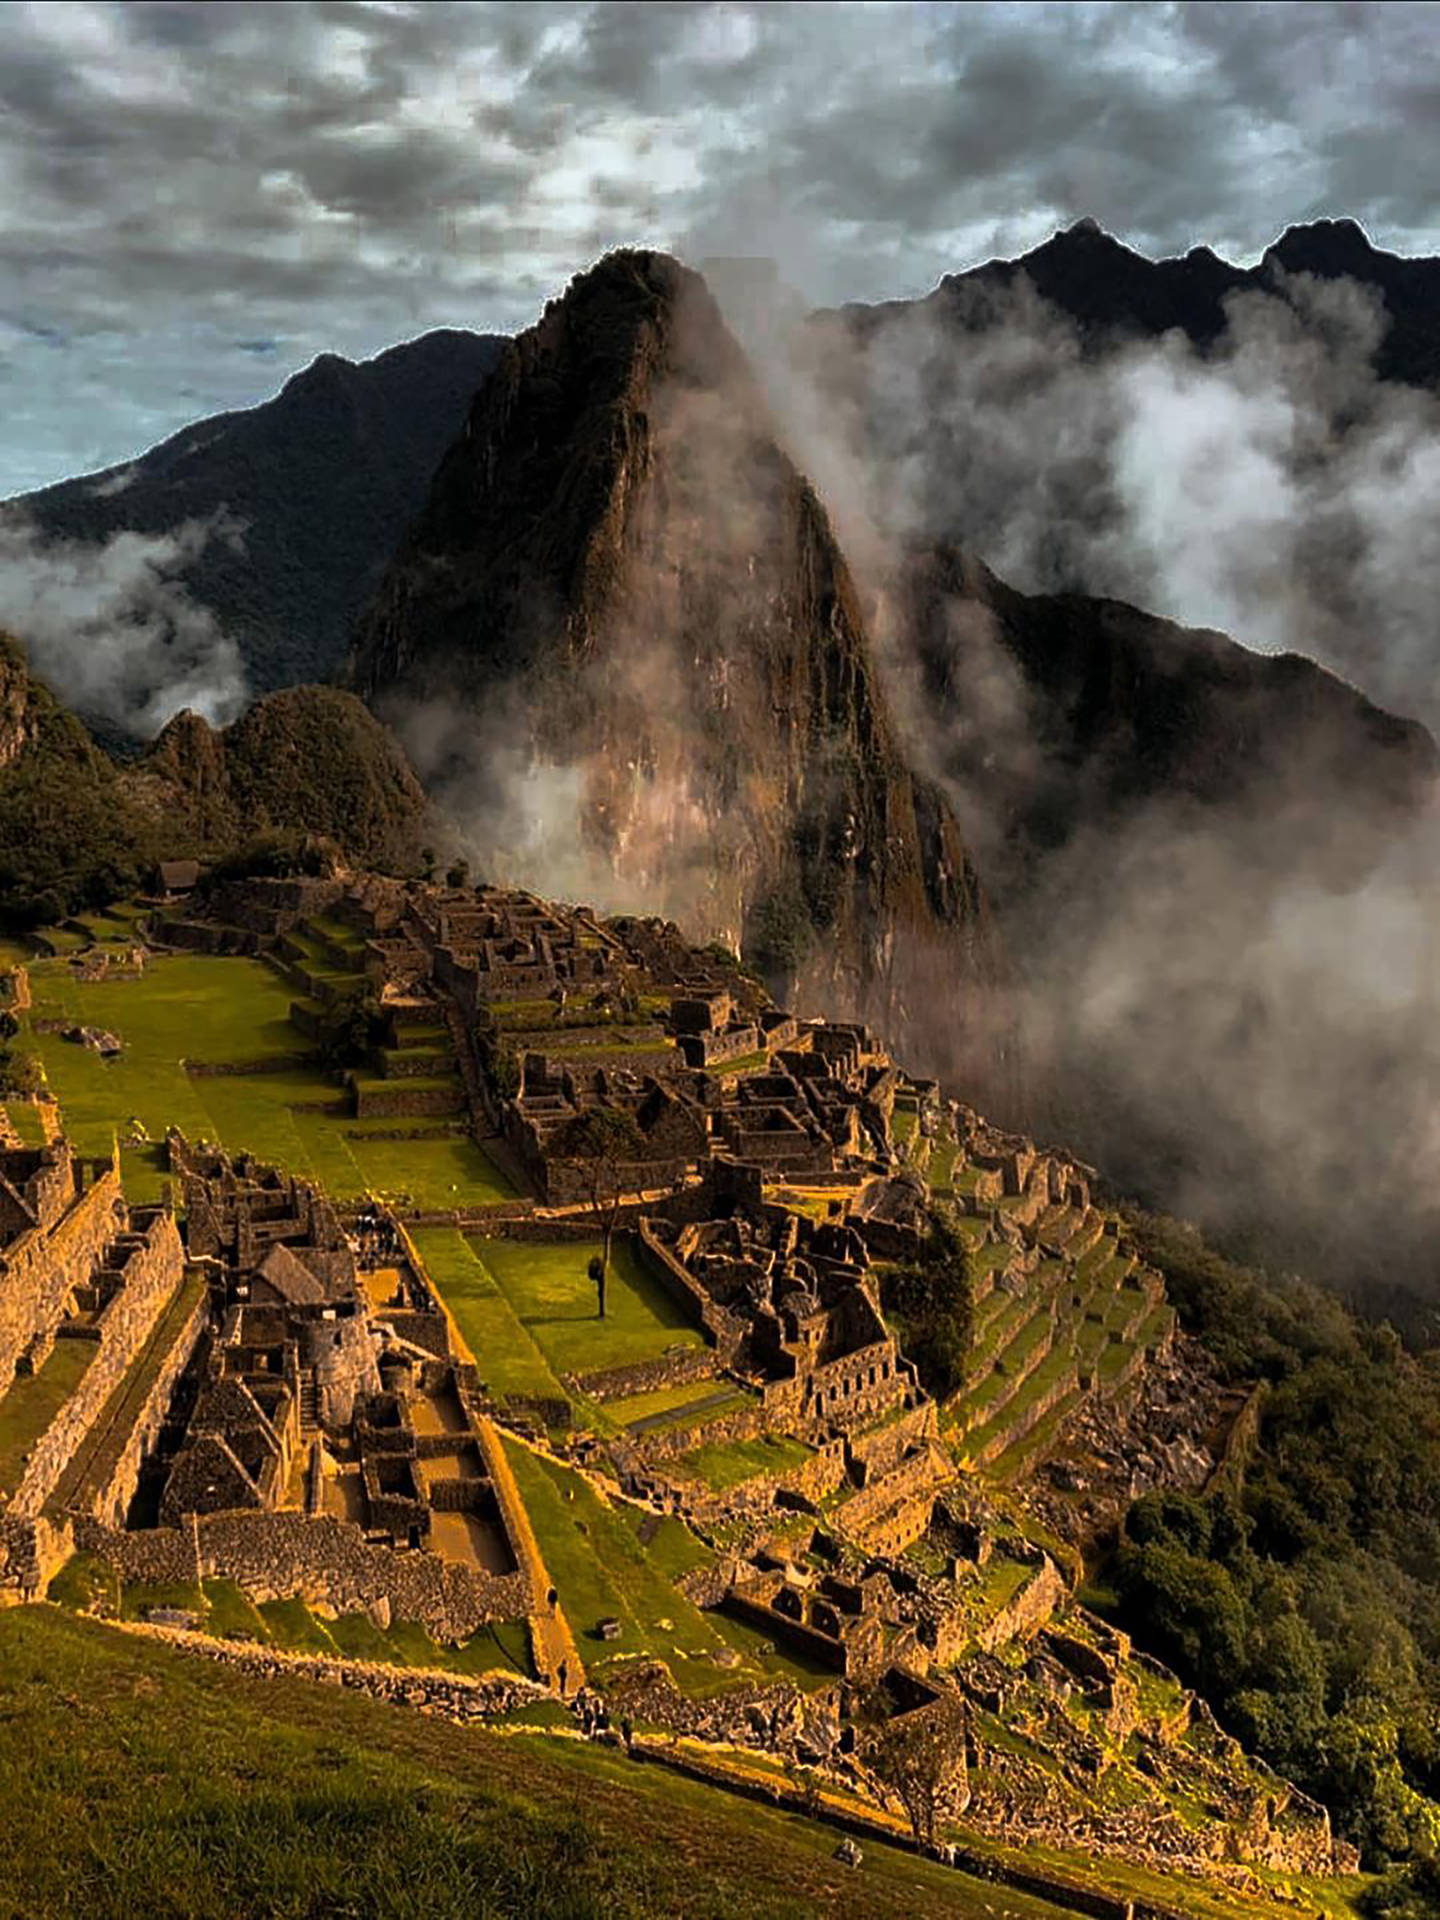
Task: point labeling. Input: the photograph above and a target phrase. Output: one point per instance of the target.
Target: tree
(919, 1757)
(604, 1143)
(351, 1026)
(457, 874)
(935, 1299)
(22, 1073)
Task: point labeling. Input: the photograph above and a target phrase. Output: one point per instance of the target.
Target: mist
(111, 628)
(1233, 1007)
(1274, 487)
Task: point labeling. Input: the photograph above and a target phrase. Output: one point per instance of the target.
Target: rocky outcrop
(621, 578)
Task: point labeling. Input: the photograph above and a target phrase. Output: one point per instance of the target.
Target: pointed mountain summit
(623, 609)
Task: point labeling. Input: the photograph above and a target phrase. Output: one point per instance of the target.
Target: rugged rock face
(319, 484)
(1103, 712)
(621, 577)
(16, 720)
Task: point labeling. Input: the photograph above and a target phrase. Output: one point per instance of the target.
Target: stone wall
(325, 1560)
(152, 1272)
(109, 1498)
(402, 1100)
(648, 1376)
(40, 1268)
(718, 1327)
(32, 1551)
(1025, 1421)
(857, 1387)
(1028, 1610)
(874, 1454)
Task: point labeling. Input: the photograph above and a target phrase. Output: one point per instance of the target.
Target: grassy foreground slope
(139, 1780)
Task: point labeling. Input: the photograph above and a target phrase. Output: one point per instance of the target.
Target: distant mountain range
(322, 480)
(1114, 293)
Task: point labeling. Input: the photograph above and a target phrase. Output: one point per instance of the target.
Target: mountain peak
(622, 593)
(1330, 248)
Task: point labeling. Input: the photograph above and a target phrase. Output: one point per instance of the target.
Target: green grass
(593, 1551)
(216, 1010)
(727, 1463)
(553, 1298)
(641, 1406)
(137, 1780)
(33, 1402)
(233, 1615)
(25, 1119)
(291, 1626)
(509, 1360)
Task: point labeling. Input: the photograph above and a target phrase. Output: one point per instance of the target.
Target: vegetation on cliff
(77, 829)
(1302, 1595)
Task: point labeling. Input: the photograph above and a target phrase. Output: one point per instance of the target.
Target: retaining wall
(152, 1273)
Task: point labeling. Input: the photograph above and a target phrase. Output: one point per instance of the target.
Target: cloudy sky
(199, 198)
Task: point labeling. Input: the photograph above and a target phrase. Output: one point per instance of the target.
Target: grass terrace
(226, 1612)
(189, 1009)
(729, 1463)
(551, 1295)
(24, 1117)
(32, 1402)
(510, 1362)
(603, 1570)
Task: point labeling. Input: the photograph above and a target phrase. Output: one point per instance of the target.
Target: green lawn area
(25, 1119)
(727, 1463)
(554, 1299)
(32, 1402)
(593, 1551)
(643, 1406)
(508, 1359)
(139, 1780)
(216, 1010)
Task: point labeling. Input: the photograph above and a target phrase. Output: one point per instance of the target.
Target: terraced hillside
(212, 1045)
(745, 1527)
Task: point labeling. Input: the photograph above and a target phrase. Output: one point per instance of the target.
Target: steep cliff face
(621, 577)
(1099, 713)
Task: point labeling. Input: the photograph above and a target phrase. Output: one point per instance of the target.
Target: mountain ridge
(1112, 291)
(618, 547)
(321, 480)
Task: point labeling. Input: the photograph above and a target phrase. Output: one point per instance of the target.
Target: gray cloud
(111, 627)
(181, 178)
